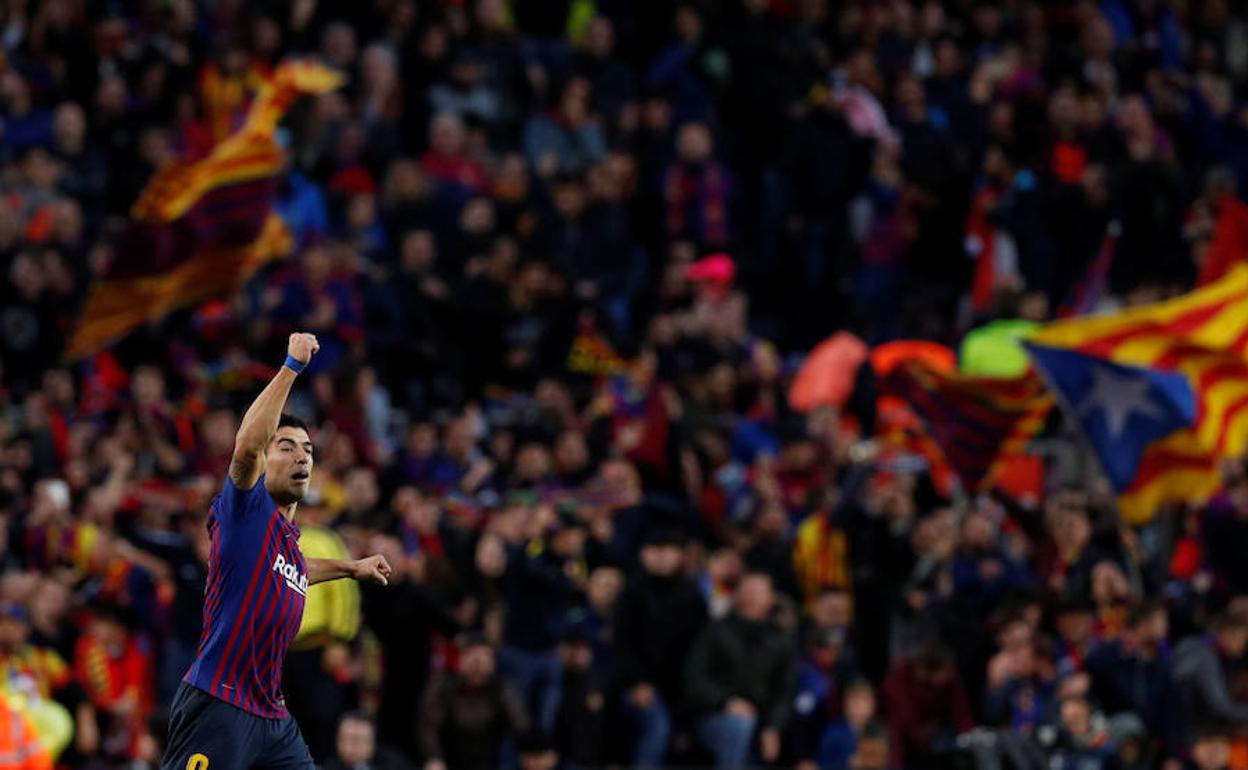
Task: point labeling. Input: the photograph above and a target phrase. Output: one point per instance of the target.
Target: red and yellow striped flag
(1204, 336)
(200, 229)
(250, 153)
(592, 353)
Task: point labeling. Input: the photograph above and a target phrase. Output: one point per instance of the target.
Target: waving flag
(897, 426)
(974, 420)
(1122, 409)
(1229, 246)
(200, 229)
(1202, 338)
(1087, 293)
(592, 353)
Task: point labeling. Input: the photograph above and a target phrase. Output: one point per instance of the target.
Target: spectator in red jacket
(925, 705)
(114, 665)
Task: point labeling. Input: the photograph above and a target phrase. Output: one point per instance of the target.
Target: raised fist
(302, 346)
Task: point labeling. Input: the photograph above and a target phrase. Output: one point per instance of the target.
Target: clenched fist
(374, 569)
(302, 346)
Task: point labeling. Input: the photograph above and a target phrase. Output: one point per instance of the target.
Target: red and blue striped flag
(974, 420)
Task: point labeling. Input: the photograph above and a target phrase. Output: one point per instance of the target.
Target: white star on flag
(1117, 398)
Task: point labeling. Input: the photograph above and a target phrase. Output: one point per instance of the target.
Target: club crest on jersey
(294, 579)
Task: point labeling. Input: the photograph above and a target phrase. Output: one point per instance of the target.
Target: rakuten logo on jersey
(294, 579)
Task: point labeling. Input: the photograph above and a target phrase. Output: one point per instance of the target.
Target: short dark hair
(291, 421)
(933, 655)
(1210, 731)
(1229, 621)
(116, 612)
(1143, 611)
(535, 741)
(860, 684)
(1071, 605)
(470, 639)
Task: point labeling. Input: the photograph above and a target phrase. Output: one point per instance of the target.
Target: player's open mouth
(300, 476)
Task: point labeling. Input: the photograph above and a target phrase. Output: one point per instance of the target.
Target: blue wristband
(293, 364)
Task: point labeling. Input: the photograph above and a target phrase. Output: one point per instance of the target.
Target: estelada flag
(200, 229)
(1202, 336)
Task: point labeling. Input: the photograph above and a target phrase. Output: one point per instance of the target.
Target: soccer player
(228, 713)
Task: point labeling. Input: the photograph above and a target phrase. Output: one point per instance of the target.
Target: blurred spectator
(567, 139)
(1224, 525)
(581, 726)
(1200, 672)
(21, 744)
(697, 190)
(1021, 680)
(925, 706)
(468, 715)
(839, 742)
(1211, 750)
(446, 162)
(1080, 739)
(409, 621)
(659, 615)
(872, 749)
(542, 582)
(740, 678)
(317, 674)
(1133, 674)
(114, 666)
(613, 84)
(983, 573)
(320, 300)
(1073, 623)
(824, 679)
(45, 682)
(356, 747)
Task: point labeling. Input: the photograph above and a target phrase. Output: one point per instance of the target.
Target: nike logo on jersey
(294, 578)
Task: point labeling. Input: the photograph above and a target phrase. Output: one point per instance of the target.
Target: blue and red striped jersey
(257, 583)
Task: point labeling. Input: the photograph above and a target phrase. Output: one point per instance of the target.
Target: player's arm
(374, 569)
(260, 421)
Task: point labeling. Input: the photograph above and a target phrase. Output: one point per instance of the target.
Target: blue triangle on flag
(1121, 408)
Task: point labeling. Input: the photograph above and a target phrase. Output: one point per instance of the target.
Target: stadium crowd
(664, 565)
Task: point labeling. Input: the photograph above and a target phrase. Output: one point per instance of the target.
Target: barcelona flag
(898, 428)
(201, 228)
(974, 420)
(1160, 390)
(592, 353)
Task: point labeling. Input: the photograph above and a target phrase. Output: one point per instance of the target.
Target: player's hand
(374, 569)
(302, 346)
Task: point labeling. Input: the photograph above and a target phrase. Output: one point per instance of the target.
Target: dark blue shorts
(209, 734)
